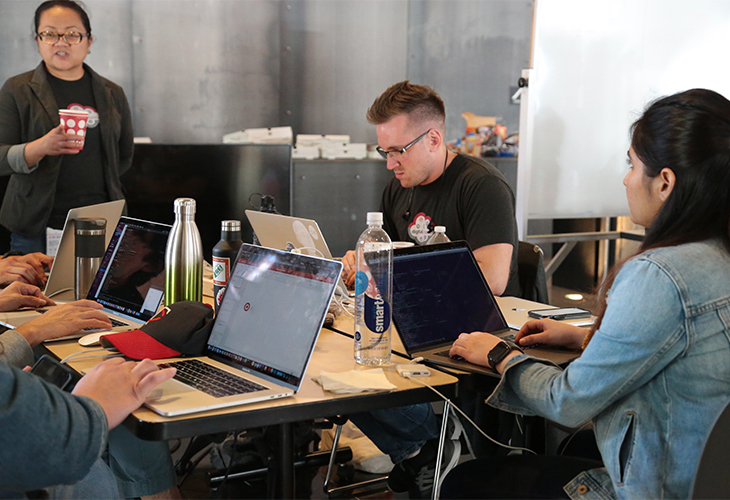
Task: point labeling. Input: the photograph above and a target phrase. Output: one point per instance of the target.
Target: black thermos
(224, 257)
(89, 249)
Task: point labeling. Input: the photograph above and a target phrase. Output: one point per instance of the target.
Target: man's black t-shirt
(472, 199)
(81, 180)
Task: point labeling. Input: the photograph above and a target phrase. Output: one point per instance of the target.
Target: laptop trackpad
(169, 391)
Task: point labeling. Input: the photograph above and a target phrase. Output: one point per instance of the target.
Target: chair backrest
(531, 272)
(712, 479)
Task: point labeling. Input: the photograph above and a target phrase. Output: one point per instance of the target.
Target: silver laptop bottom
(173, 397)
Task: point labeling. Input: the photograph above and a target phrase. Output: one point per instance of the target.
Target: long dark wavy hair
(689, 133)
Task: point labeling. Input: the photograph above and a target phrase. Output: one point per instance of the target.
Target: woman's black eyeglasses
(71, 38)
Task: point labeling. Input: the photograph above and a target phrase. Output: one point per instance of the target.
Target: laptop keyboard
(507, 338)
(446, 355)
(211, 380)
(116, 322)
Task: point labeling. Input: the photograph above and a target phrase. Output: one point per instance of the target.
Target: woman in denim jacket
(655, 372)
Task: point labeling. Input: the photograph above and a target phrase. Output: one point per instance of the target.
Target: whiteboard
(595, 65)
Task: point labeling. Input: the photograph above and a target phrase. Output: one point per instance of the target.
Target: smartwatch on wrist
(499, 352)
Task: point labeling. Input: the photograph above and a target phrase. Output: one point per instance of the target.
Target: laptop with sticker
(293, 234)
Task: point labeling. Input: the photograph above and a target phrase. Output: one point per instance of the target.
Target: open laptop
(439, 292)
(61, 277)
(265, 333)
(130, 282)
(291, 234)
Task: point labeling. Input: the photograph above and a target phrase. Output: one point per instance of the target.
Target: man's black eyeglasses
(397, 153)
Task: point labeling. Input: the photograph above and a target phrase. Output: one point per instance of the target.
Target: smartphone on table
(52, 371)
(559, 314)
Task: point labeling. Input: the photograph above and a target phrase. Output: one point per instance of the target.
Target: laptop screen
(272, 312)
(438, 293)
(131, 276)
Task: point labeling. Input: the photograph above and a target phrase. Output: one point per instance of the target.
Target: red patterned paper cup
(74, 122)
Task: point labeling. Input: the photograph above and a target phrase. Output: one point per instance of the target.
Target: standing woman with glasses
(47, 175)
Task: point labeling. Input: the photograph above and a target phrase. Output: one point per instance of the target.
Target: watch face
(498, 353)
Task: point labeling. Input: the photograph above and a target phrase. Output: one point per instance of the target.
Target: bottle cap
(439, 229)
(184, 206)
(231, 225)
(375, 217)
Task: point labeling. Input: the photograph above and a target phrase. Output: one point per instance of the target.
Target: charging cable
(514, 448)
(59, 292)
(344, 304)
(565, 446)
(317, 252)
(335, 298)
(86, 355)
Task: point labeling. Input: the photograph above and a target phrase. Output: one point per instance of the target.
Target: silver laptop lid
(61, 277)
(272, 312)
(130, 281)
(289, 233)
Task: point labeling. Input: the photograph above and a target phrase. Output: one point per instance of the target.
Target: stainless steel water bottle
(89, 244)
(184, 256)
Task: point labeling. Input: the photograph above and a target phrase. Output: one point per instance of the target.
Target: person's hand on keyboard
(550, 332)
(59, 321)
(348, 269)
(120, 387)
(17, 295)
(29, 268)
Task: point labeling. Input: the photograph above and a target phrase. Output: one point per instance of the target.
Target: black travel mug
(89, 249)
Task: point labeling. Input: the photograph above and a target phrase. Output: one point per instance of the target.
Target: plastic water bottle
(438, 236)
(224, 257)
(184, 256)
(373, 295)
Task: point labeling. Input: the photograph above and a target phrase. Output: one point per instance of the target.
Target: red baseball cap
(179, 329)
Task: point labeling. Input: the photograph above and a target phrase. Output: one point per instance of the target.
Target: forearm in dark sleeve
(10, 134)
(47, 436)
(15, 350)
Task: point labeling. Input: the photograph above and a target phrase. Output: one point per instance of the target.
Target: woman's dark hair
(689, 133)
(67, 4)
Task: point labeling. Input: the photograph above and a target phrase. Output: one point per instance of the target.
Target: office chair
(531, 273)
(712, 479)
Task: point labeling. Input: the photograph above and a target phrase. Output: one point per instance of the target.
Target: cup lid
(73, 112)
(90, 223)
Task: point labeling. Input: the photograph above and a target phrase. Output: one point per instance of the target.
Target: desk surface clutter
(333, 353)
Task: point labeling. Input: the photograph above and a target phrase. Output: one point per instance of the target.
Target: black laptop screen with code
(435, 289)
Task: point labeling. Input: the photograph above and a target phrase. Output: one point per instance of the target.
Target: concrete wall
(194, 70)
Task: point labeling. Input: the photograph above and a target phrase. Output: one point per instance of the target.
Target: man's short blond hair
(419, 102)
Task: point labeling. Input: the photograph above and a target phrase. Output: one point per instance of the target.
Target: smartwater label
(376, 311)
